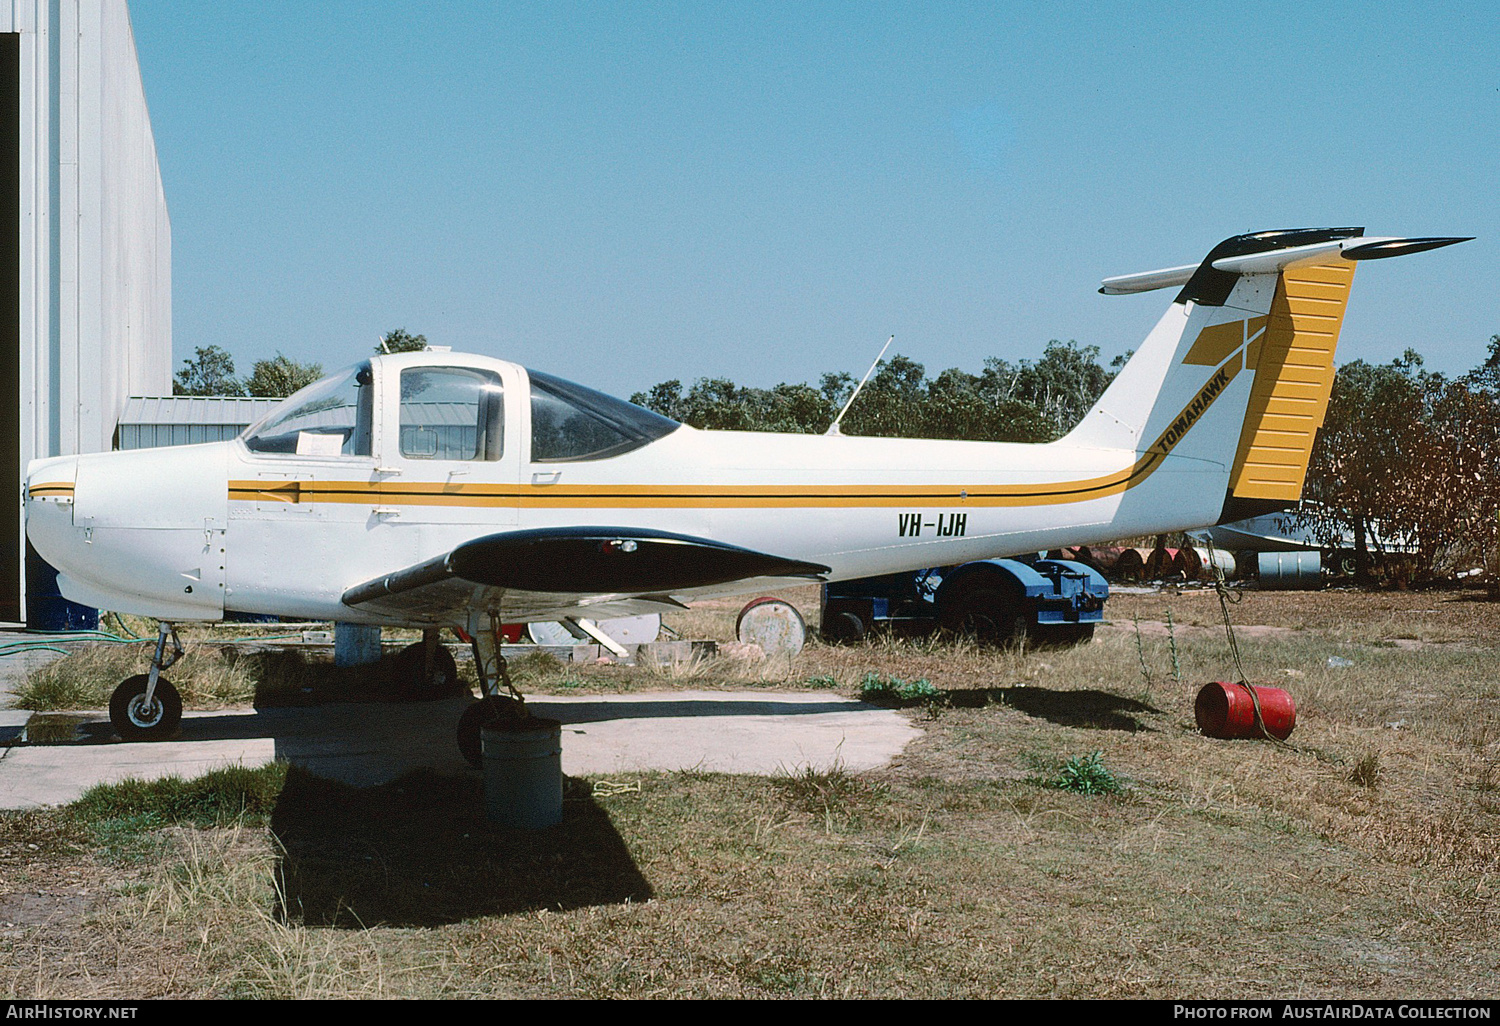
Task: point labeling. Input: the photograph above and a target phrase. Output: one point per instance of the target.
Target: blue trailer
(1046, 601)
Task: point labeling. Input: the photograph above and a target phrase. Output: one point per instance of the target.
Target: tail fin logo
(1217, 342)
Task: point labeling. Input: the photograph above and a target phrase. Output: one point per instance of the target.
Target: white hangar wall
(91, 321)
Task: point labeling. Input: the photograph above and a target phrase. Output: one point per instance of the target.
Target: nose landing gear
(146, 707)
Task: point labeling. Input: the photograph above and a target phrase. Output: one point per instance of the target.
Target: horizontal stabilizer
(1267, 253)
(1375, 249)
(1147, 281)
(587, 561)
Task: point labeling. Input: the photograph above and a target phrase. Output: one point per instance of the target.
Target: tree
(1408, 455)
(900, 400)
(1064, 384)
(281, 376)
(399, 340)
(209, 372)
(1362, 455)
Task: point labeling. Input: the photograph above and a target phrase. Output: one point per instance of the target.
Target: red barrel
(1227, 710)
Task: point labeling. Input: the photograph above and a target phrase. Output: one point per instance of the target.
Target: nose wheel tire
(480, 715)
(136, 720)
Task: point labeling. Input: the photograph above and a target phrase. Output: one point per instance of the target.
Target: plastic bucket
(355, 644)
(1227, 711)
(523, 782)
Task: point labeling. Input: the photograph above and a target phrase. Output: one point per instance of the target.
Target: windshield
(331, 417)
(570, 422)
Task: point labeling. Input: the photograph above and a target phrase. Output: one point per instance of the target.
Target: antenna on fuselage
(833, 429)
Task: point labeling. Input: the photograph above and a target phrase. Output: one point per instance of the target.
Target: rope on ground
(611, 788)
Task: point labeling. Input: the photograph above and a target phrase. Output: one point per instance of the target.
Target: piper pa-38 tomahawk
(439, 490)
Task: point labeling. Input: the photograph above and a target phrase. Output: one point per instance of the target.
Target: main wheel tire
(478, 716)
(134, 720)
(420, 686)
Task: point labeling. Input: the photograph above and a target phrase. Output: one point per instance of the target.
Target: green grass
(895, 690)
(234, 794)
(1086, 774)
(207, 677)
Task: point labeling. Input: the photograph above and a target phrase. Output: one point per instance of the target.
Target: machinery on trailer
(1049, 601)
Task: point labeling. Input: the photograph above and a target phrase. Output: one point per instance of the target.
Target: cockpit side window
(451, 413)
(331, 417)
(571, 423)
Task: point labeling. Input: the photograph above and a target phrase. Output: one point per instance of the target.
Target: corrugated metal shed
(151, 421)
(86, 312)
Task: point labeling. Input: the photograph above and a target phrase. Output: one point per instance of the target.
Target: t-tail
(1239, 370)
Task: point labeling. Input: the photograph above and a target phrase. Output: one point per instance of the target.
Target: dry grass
(1391, 617)
(207, 677)
(1359, 862)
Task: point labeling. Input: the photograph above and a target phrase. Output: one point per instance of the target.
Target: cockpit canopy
(450, 410)
(330, 417)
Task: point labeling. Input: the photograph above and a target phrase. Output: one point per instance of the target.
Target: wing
(552, 570)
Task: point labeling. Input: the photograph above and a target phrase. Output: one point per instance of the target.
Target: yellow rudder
(1293, 364)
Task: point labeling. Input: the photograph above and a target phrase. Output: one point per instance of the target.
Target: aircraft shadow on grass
(1088, 707)
(415, 849)
(419, 852)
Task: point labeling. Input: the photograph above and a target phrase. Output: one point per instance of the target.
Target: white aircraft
(441, 490)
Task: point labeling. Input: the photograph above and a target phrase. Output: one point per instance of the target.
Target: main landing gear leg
(146, 707)
(492, 706)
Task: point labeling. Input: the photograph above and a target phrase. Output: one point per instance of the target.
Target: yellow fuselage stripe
(688, 496)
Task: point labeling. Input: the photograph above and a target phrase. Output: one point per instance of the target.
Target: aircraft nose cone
(52, 473)
(49, 507)
(141, 531)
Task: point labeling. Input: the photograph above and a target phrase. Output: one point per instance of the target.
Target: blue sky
(623, 193)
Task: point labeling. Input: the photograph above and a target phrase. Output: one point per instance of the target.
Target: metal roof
(195, 409)
(150, 421)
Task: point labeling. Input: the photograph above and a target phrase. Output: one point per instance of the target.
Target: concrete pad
(34, 776)
(369, 744)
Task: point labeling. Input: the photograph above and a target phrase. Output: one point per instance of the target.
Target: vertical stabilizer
(1239, 370)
